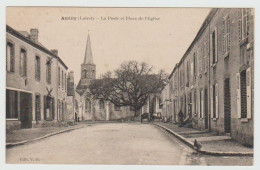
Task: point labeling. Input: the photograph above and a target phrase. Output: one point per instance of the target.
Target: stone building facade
(215, 77)
(34, 85)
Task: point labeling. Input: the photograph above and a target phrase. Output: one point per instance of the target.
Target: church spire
(88, 54)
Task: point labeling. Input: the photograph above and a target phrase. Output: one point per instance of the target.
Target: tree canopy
(133, 82)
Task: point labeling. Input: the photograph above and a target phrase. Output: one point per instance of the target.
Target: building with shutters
(35, 82)
(215, 76)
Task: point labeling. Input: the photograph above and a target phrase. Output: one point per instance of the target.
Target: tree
(132, 85)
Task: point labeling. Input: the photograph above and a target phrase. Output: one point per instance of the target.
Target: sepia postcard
(129, 86)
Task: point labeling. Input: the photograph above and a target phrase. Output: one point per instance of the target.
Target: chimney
(71, 77)
(55, 52)
(34, 34)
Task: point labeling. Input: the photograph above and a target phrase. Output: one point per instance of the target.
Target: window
(62, 79)
(185, 106)
(194, 61)
(49, 108)
(59, 76)
(10, 58)
(243, 24)
(23, 63)
(37, 68)
(226, 35)
(116, 107)
(84, 74)
(160, 103)
(214, 46)
(199, 60)
(243, 94)
(59, 109)
(93, 74)
(205, 55)
(188, 71)
(203, 58)
(48, 72)
(201, 105)
(214, 101)
(65, 81)
(101, 104)
(243, 55)
(195, 102)
(11, 104)
(87, 105)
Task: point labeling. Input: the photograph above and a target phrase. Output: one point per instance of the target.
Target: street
(115, 143)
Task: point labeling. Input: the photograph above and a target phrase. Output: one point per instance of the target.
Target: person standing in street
(180, 116)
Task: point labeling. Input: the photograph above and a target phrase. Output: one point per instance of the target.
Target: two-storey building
(33, 81)
(215, 76)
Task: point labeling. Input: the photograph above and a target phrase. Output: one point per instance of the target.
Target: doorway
(227, 106)
(26, 110)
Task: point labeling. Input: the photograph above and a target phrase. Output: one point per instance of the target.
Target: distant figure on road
(76, 117)
(180, 116)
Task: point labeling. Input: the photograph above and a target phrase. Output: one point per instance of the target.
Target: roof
(21, 36)
(81, 88)
(203, 27)
(88, 59)
(201, 31)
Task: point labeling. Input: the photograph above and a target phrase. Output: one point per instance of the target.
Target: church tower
(88, 68)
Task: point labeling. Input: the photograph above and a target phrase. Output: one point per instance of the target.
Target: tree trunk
(135, 113)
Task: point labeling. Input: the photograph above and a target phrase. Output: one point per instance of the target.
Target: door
(26, 110)
(206, 116)
(227, 106)
(38, 108)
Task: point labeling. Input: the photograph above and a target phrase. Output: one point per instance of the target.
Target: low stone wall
(13, 125)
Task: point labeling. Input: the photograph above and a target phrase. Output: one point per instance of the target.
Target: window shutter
(191, 70)
(200, 61)
(247, 20)
(25, 65)
(36, 69)
(20, 63)
(228, 33)
(223, 36)
(195, 62)
(238, 96)
(239, 30)
(45, 105)
(199, 104)
(248, 91)
(8, 57)
(216, 92)
(211, 50)
(211, 102)
(53, 108)
(202, 104)
(216, 45)
(12, 57)
(207, 55)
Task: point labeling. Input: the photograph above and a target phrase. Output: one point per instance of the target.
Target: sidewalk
(211, 143)
(22, 136)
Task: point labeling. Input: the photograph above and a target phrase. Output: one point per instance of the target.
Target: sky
(157, 36)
